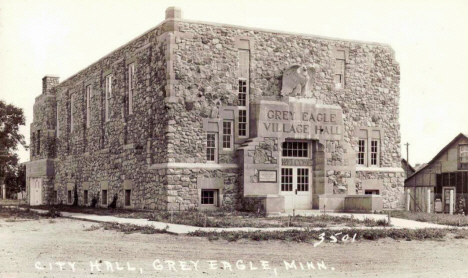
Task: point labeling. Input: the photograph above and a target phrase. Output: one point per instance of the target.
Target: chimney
(48, 82)
(173, 12)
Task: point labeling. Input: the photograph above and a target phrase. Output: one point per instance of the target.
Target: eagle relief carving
(298, 80)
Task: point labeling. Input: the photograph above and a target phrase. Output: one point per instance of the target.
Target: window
(242, 94)
(72, 111)
(296, 149)
(374, 151)
(211, 151)
(242, 122)
(88, 105)
(33, 141)
(368, 148)
(227, 135)
(463, 155)
(286, 179)
(104, 197)
(340, 56)
(131, 85)
(85, 197)
(57, 121)
(55, 197)
(243, 91)
(38, 141)
(302, 179)
(371, 192)
(70, 197)
(361, 152)
(209, 197)
(128, 194)
(108, 95)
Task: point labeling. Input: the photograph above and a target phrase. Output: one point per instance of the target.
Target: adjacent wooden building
(441, 185)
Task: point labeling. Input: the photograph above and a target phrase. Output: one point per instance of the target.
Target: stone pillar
(408, 199)
(451, 201)
(428, 201)
(173, 12)
(48, 82)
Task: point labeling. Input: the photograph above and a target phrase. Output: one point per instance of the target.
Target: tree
(11, 118)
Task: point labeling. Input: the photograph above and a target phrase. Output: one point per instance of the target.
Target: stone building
(441, 185)
(205, 115)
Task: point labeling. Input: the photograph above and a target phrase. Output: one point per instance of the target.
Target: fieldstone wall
(392, 193)
(116, 150)
(183, 192)
(206, 68)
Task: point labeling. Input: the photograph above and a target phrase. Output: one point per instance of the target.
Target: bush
(113, 204)
(53, 213)
(94, 202)
(130, 228)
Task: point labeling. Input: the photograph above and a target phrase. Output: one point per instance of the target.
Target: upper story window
(296, 149)
(243, 92)
(108, 95)
(38, 147)
(88, 106)
(340, 61)
(131, 86)
(227, 135)
(369, 140)
(242, 122)
(463, 157)
(361, 155)
(72, 113)
(211, 148)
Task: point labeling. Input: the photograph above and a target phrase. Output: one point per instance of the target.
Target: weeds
(314, 236)
(130, 228)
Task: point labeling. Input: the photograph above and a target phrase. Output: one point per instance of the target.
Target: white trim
(192, 165)
(380, 169)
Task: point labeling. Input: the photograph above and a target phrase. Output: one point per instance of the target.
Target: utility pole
(407, 159)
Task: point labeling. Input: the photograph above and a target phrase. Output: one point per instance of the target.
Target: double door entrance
(295, 186)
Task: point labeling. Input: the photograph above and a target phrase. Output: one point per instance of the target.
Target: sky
(430, 38)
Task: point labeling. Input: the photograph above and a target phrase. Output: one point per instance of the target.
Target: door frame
(32, 184)
(454, 197)
(294, 184)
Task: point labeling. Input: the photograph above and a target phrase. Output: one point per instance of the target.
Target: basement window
(209, 197)
(70, 197)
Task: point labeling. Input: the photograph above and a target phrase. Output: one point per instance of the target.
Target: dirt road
(38, 248)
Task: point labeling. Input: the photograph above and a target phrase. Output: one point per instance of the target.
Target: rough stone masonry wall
(183, 191)
(206, 68)
(122, 148)
(392, 193)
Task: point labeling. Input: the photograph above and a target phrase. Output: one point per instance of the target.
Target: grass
(225, 219)
(310, 236)
(130, 228)
(443, 219)
(12, 214)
